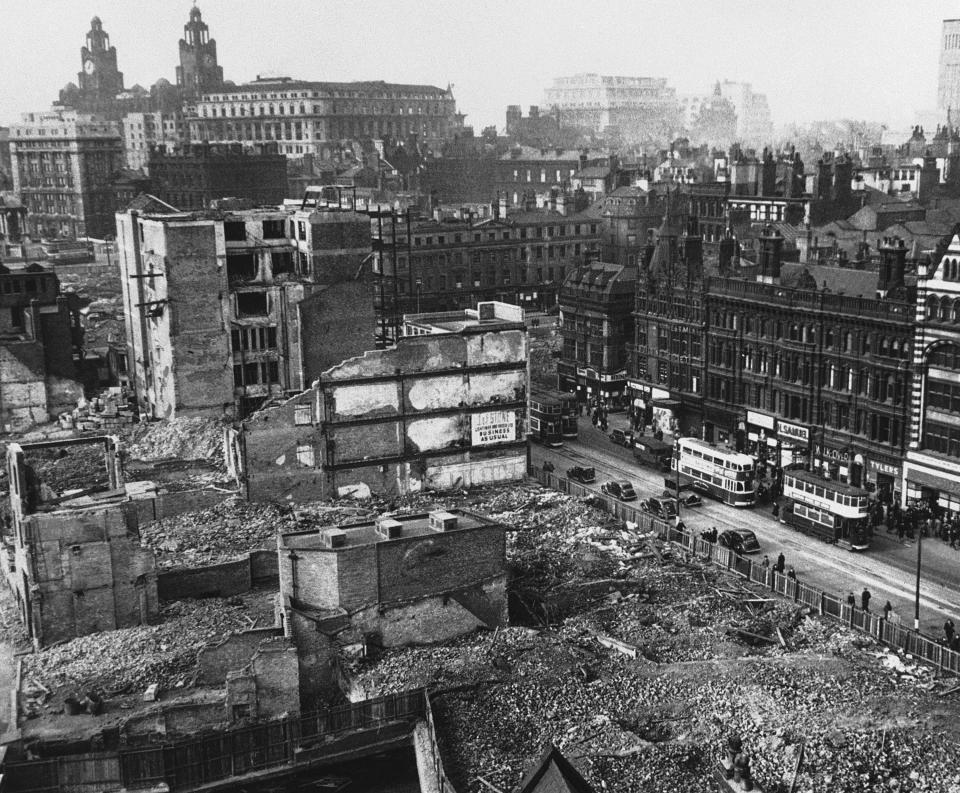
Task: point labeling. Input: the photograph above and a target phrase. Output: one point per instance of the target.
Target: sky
(872, 60)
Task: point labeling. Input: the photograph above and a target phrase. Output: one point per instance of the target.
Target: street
(888, 569)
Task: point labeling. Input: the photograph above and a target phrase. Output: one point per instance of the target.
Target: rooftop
(486, 315)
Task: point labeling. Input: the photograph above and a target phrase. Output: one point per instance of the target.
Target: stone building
(634, 109)
(40, 337)
(192, 176)
(518, 257)
(596, 323)
(306, 117)
(948, 83)
(930, 472)
(146, 130)
(230, 306)
(444, 408)
(402, 579)
(99, 80)
(77, 566)
(198, 72)
(63, 166)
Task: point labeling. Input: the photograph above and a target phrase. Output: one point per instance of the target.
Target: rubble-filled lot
(189, 438)
(126, 661)
(638, 661)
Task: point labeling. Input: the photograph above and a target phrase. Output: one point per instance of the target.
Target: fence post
(822, 596)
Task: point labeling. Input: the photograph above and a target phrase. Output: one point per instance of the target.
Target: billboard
(497, 426)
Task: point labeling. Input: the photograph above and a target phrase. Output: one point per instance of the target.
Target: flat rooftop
(366, 532)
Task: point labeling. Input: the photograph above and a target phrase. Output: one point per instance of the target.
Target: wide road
(888, 569)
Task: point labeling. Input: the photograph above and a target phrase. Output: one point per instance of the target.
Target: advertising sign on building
(792, 432)
(759, 420)
(498, 426)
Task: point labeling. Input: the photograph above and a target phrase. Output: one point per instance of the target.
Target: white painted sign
(499, 426)
(759, 420)
(792, 432)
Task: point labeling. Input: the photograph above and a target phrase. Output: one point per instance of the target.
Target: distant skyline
(875, 61)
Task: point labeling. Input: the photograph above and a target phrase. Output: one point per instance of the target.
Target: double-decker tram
(546, 417)
(827, 509)
(568, 415)
(718, 472)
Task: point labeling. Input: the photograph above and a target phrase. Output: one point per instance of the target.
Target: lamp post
(916, 605)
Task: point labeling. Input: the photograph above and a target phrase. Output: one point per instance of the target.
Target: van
(622, 438)
(649, 451)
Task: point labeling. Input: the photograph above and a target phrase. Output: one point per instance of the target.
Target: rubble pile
(190, 438)
(67, 468)
(129, 659)
(105, 413)
(223, 532)
(653, 660)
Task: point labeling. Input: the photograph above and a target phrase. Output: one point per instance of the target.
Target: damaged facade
(39, 335)
(443, 409)
(77, 566)
(228, 307)
(405, 579)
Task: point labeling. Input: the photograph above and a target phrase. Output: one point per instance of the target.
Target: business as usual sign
(498, 426)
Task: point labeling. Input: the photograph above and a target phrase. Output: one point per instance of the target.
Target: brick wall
(220, 580)
(276, 670)
(317, 658)
(234, 652)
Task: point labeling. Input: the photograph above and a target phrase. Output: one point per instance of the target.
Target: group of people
(780, 566)
(929, 522)
(951, 638)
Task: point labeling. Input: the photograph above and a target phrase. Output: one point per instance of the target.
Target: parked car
(620, 489)
(686, 499)
(739, 541)
(581, 474)
(662, 508)
(622, 438)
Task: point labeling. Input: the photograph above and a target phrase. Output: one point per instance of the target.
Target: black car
(662, 508)
(739, 541)
(686, 499)
(622, 438)
(620, 489)
(581, 474)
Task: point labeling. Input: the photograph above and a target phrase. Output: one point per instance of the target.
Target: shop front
(793, 443)
(883, 479)
(719, 425)
(773, 440)
(927, 489)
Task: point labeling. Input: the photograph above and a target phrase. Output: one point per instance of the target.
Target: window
(305, 455)
(16, 316)
(251, 304)
(273, 229)
(234, 231)
(241, 267)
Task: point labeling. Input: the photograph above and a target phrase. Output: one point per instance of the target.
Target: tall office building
(948, 87)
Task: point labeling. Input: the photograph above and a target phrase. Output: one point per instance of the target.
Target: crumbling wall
(23, 393)
(276, 669)
(214, 580)
(234, 652)
(317, 659)
(335, 324)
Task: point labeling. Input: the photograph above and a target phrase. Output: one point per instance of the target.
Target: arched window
(946, 306)
(933, 306)
(884, 346)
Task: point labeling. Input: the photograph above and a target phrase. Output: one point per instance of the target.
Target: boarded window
(303, 414)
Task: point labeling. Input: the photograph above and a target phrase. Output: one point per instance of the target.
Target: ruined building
(74, 560)
(445, 408)
(405, 579)
(39, 336)
(228, 307)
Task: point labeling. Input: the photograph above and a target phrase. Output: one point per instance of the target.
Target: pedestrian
(887, 608)
(851, 600)
(865, 599)
(948, 630)
(766, 562)
(776, 509)
(791, 573)
(781, 561)
(899, 521)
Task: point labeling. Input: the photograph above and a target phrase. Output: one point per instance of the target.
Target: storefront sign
(659, 393)
(831, 454)
(643, 389)
(498, 426)
(792, 432)
(609, 378)
(581, 372)
(883, 468)
(759, 420)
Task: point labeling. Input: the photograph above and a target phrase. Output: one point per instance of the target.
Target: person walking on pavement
(766, 562)
(776, 508)
(851, 600)
(781, 562)
(865, 599)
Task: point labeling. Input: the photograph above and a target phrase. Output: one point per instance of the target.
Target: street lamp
(916, 605)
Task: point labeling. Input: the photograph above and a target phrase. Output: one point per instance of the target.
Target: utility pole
(916, 609)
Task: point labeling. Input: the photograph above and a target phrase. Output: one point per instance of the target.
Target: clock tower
(99, 77)
(198, 71)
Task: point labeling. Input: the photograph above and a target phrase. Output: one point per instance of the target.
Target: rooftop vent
(389, 528)
(334, 538)
(443, 521)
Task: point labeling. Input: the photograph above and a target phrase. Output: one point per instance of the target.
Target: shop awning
(921, 477)
(670, 404)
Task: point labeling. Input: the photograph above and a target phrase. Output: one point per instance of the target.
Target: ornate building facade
(198, 72)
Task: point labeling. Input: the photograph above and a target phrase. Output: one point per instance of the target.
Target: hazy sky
(864, 59)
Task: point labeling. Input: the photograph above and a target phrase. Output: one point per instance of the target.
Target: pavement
(887, 569)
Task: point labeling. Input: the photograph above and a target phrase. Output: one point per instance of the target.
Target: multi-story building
(813, 375)
(311, 117)
(931, 472)
(596, 323)
(665, 370)
(948, 83)
(63, 166)
(637, 109)
(754, 124)
(143, 131)
(444, 408)
(627, 217)
(191, 176)
(39, 337)
(519, 257)
(223, 310)
(99, 80)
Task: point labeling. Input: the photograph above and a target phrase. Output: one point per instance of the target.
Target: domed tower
(198, 72)
(99, 78)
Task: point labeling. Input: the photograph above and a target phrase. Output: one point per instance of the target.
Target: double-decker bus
(718, 472)
(546, 416)
(827, 509)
